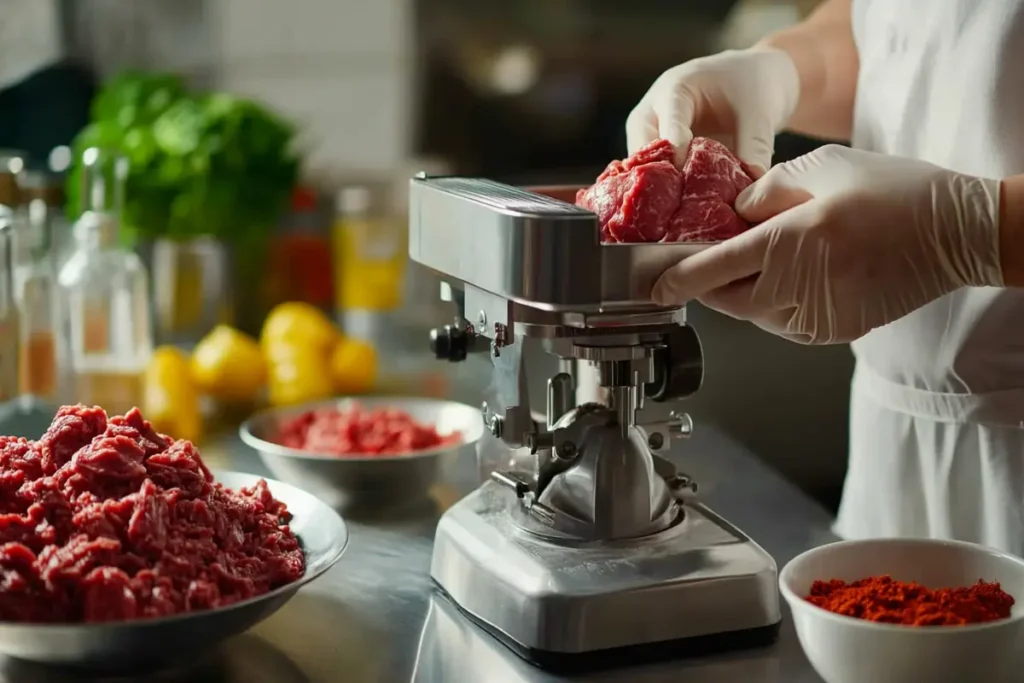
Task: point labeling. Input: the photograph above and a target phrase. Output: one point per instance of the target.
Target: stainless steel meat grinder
(602, 551)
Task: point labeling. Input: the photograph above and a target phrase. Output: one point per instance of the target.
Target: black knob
(449, 343)
(678, 367)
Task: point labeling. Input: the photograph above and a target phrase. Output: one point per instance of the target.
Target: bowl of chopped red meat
(119, 549)
(908, 610)
(367, 452)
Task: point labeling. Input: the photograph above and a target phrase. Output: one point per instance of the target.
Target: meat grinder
(600, 551)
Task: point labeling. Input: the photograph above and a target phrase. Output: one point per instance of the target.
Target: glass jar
(35, 295)
(103, 290)
(370, 254)
(8, 311)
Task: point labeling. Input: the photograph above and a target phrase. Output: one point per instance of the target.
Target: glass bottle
(35, 295)
(8, 311)
(104, 305)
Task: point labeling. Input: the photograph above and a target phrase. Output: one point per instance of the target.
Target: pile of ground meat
(356, 431)
(105, 519)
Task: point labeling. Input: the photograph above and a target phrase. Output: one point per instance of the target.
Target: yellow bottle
(369, 255)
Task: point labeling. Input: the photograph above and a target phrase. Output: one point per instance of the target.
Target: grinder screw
(680, 425)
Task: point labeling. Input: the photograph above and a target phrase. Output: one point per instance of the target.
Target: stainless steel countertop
(373, 619)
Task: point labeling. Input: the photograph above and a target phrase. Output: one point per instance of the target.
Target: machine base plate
(628, 655)
(699, 585)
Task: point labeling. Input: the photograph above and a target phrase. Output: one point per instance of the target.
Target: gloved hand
(850, 241)
(742, 98)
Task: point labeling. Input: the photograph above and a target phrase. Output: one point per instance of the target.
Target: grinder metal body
(601, 549)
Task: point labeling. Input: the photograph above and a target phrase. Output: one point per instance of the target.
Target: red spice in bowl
(107, 520)
(883, 599)
(354, 431)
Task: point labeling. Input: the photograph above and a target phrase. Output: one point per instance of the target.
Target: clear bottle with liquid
(35, 283)
(104, 304)
(8, 310)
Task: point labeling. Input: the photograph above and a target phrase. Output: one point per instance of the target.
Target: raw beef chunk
(647, 198)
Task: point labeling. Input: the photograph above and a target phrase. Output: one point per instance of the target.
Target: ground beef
(105, 519)
(356, 431)
(647, 198)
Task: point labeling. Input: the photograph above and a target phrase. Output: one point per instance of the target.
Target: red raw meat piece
(647, 198)
(105, 519)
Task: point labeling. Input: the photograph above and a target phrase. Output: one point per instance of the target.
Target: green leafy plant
(199, 163)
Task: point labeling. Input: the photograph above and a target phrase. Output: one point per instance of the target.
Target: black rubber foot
(564, 663)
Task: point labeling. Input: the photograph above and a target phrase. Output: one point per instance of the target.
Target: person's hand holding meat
(741, 98)
(846, 241)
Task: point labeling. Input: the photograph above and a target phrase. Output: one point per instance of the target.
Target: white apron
(937, 405)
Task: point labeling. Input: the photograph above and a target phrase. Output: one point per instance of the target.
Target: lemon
(228, 365)
(299, 324)
(170, 398)
(354, 366)
(300, 377)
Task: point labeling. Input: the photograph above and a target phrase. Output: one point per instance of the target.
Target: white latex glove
(742, 98)
(851, 241)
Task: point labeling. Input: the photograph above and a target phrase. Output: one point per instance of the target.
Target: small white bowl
(847, 650)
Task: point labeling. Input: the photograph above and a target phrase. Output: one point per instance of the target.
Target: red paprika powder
(883, 599)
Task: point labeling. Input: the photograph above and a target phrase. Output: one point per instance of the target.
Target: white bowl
(847, 650)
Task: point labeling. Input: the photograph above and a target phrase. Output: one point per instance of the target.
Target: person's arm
(1011, 230)
(826, 59)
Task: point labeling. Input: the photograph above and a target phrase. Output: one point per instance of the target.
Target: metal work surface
(371, 618)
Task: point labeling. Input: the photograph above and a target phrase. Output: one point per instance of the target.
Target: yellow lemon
(299, 324)
(228, 365)
(354, 366)
(301, 377)
(170, 399)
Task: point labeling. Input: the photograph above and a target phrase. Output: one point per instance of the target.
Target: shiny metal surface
(552, 253)
(578, 557)
(697, 577)
(354, 482)
(155, 643)
(582, 492)
(370, 618)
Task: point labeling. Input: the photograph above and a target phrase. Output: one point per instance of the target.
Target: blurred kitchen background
(531, 91)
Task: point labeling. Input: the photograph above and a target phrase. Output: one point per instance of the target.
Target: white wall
(341, 68)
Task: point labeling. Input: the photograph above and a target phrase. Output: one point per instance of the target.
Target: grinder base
(629, 655)
(564, 604)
